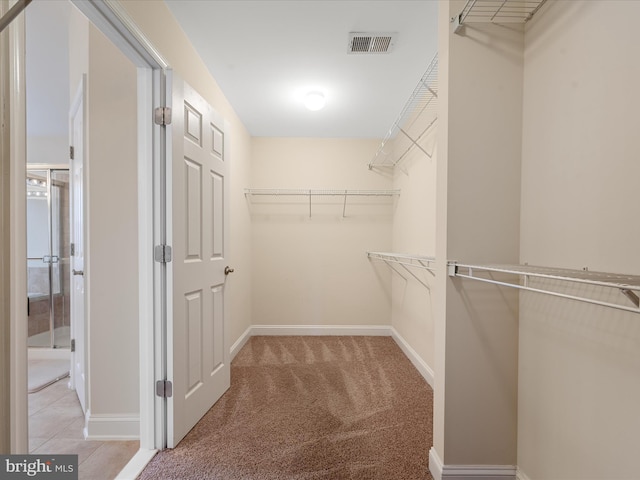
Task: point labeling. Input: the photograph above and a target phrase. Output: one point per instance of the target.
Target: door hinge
(73, 345)
(162, 253)
(164, 388)
(72, 152)
(162, 115)
(72, 249)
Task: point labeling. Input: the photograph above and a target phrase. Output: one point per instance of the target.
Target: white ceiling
(266, 54)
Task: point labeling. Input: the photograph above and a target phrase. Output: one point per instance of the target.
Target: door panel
(198, 351)
(77, 134)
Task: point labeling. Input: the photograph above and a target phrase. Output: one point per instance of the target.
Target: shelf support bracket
(389, 264)
(458, 26)
(452, 269)
(631, 295)
(415, 276)
(415, 143)
(344, 206)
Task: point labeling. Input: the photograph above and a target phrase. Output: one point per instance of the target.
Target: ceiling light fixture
(314, 100)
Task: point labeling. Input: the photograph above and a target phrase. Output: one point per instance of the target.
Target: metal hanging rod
(496, 11)
(416, 118)
(628, 285)
(310, 193)
(406, 261)
(12, 13)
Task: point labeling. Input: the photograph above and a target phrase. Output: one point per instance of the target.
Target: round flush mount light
(314, 100)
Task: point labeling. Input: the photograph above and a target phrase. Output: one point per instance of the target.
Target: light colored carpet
(44, 372)
(311, 408)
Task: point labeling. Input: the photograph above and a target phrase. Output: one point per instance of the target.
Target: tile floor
(55, 427)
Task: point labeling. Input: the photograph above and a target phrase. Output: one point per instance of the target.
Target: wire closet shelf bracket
(628, 285)
(310, 193)
(496, 11)
(410, 129)
(406, 261)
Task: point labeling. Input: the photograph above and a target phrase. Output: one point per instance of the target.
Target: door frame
(109, 17)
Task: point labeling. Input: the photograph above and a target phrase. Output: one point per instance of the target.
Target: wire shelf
(417, 117)
(310, 193)
(319, 192)
(497, 11)
(406, 261)
(628, 285)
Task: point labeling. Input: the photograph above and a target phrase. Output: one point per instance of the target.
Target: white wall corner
(237, 346)
(417, 361)
(111, 427)
(468, 472)
(317, 330)
(520, 475)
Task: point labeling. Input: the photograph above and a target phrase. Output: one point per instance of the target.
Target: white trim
(417, 361)
(439, 471)
(435, 464)
(146, 346)
(136, 465)
(335, 330)
(111, 427)
(237, 346)
(16, 225)
(520, 475)
(318, 330)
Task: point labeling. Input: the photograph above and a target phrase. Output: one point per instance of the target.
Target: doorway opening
(112, 21)
(48, 316)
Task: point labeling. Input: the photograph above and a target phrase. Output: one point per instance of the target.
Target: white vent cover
(368, 42)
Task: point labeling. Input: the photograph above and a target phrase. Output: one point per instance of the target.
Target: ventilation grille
(360, 42)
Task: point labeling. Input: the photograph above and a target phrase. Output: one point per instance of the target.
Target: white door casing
(198, 354)
(77, 141)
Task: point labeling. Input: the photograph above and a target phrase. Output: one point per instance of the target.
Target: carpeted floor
(311, 408)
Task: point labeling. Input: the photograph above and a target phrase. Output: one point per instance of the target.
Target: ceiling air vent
(366, 42)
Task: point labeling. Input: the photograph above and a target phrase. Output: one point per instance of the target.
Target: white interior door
(77, 136)
(198, 353)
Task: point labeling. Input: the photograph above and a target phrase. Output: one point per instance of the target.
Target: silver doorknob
(77, 272)
(228, 270)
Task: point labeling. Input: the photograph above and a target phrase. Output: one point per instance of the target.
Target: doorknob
(228, 270)
(78, 272)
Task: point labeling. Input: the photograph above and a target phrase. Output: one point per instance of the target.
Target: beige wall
(155, 20)
(477, 220)
(112, 229)
(413, 232)
(579, 388)
(314, 270)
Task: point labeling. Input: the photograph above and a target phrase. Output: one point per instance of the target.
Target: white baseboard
(236, 347)
(332, 330)
(111, 427)
(318, 330)
(135, 466)
(468, 472)
(520, 475)
(422, 366)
